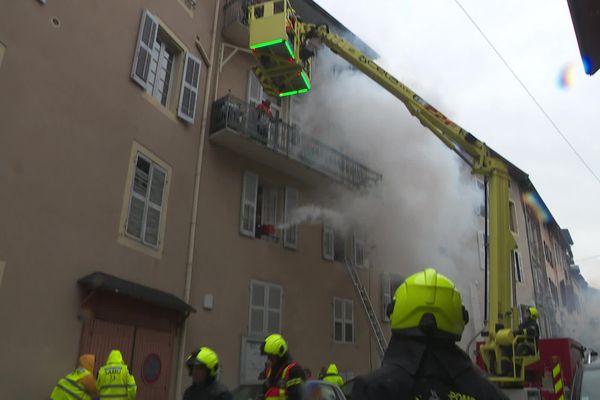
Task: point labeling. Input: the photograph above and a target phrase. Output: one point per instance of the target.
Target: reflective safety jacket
(71, 388)
(421, 370)
(332, 375)
(286, 384)
(114, 379)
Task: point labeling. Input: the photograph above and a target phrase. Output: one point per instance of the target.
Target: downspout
(192, 235)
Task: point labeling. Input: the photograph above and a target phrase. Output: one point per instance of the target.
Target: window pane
(338, 310)
(257, 320)
(274, 297)
(258, 295)
(338, 331)
(348, 332)
(157, 186)
(348, 311)
(140, 181)
(135, 217)
(273, 322)
(152, 224)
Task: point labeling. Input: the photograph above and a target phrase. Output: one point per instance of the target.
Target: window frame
(177, 82)
(344, 303)
(328, 253)
(289, 194)
(268, 286)
(124, 237)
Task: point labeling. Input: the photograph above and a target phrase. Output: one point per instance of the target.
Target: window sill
(163, 109)
(127, 241)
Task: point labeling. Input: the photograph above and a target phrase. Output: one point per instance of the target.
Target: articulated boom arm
(501, 243)
(279, 41)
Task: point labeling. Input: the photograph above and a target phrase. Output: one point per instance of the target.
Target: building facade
(147, 208)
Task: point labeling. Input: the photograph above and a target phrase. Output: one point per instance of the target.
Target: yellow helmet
(428, 304)
(205, 357)
(274, 345)
(533, 311)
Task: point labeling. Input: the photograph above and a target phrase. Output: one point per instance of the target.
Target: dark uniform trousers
(418, 370)
(210, 391)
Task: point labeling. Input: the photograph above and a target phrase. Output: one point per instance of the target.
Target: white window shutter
(290, 236)
(386, 294)
(143, 49)
(155, 200)
(328, 243)
(189, 89)
(254, 90)
(248, 206)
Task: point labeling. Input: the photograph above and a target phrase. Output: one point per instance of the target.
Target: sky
(435, 49)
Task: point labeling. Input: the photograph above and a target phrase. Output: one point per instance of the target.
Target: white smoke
(315, 214)
(423, 213)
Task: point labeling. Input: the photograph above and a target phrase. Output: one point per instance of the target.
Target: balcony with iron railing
(242, 128)
(235, 22)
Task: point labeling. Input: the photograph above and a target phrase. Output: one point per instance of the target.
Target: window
(290, 234)
(328, 243)
(481, 246)
(339, 246)
(266, 212)
(259, 209)
(156, 63)
(343, 321)
(517, 264)
(513, 217)
(265, 308)
(358, 250)
(145, 206)
(248, 206)
(145, 202)
(256, 95)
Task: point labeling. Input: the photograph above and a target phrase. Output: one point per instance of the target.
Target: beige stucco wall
(69, 114)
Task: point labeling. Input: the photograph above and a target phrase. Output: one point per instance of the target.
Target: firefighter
(285, 377)
(114, 379)
(331, 375)
(531, 330)
(78, 384)
(264, 118)
(422, 360)
(203, 367)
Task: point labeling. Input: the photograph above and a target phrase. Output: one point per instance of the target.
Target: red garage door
(100, 337)
(152, 363)
(147, 352)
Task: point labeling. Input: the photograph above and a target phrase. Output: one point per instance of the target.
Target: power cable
(587, 166)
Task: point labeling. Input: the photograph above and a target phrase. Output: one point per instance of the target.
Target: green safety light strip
(306, 81)
(265, 44)
(293, 92)
(273, 42)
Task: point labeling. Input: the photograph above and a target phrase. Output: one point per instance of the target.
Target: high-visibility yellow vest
(69, 388)
(115, 382)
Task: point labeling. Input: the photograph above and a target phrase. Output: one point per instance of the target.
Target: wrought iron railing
(244, 119)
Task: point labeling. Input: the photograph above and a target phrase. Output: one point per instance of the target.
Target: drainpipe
(192, 235)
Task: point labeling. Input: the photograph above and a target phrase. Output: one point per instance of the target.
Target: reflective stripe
(67, 391)
(115, 386)
(293, 382)
(113, 396)
(557, 386)
(556, 370)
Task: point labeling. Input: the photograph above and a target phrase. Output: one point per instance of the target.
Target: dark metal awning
(105, 282)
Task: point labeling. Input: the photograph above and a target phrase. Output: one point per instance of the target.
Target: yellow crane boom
(279, 41)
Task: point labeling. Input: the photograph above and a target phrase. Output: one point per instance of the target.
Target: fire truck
(283, 46)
